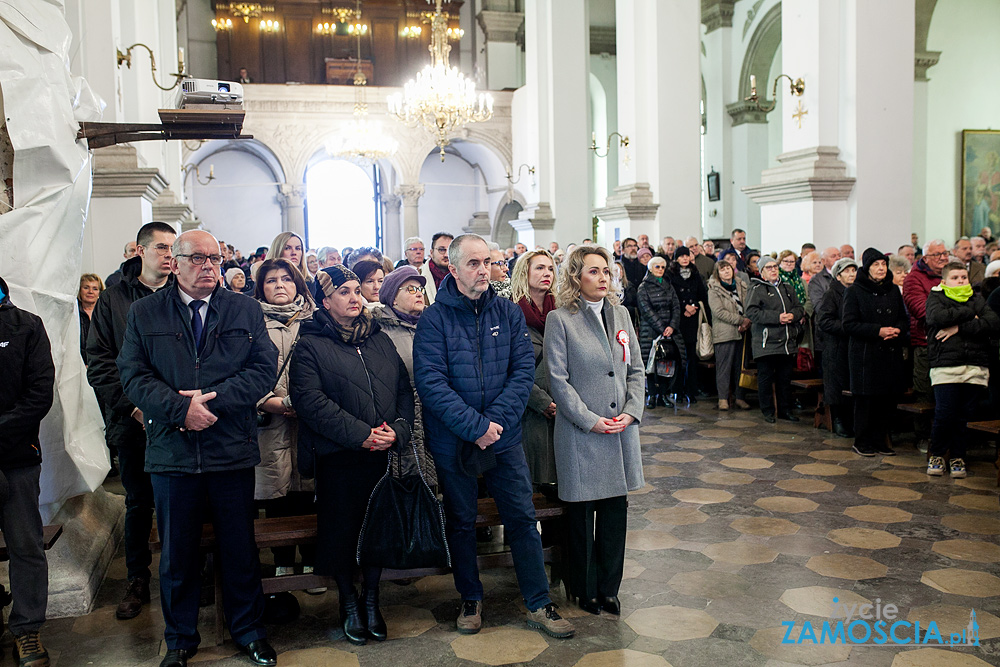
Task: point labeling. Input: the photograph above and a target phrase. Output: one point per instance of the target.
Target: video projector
(209, 91)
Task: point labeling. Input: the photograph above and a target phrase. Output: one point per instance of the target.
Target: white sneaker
(935, 466)
(958, 468)
(283, 571)
(319, 590)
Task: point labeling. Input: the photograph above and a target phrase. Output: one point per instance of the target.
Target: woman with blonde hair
(290, 246)
(90, 290)
(532, 288)
(596, 378)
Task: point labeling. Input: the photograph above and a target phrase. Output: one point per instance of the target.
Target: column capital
(167, 209)
(291, 195)
(746, 112)
(923, 61)
(411, 194)
(391, 201)
(534, 218)
(500, 26)
(479, 223)
(717, 14)
(633, 201)
(810, 174)
(117, 174)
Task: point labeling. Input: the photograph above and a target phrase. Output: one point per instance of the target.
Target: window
(340, 198)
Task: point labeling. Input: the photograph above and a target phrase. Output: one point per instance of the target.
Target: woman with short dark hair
(693, 297)
(659, 315)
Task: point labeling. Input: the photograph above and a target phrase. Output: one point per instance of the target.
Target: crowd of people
(284, 382)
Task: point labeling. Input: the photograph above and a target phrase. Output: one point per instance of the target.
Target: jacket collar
(448, 295)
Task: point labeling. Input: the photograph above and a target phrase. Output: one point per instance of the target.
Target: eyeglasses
(499, 262)
(412, 289)
(442, 249)
(415, 248)
(198, 259)
(161, 249)
(937, 254)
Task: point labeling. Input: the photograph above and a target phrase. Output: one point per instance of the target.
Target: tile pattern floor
(741, 526)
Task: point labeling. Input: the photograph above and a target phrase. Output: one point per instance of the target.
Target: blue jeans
(509, 484)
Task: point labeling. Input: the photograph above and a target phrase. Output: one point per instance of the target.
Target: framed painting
(980, 181)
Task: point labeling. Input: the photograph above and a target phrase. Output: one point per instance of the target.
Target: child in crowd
(960, 339)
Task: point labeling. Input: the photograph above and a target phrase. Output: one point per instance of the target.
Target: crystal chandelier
(440, 98)
(361, 140)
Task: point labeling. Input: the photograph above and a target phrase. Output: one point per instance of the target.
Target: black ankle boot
(373, 616)
(650, 401)
(840, 430)
(350, 618)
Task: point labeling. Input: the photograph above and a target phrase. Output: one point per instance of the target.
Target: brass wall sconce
(197, 176)
(411, 32)
(342, 14)
(512, 180)
(797, 87)
(622, 143)
(127, 59)
(221, 25)
(269, 26)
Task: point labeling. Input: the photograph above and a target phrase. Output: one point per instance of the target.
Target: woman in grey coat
(727, 298)
(596, 379)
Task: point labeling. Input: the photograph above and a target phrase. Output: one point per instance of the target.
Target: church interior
(799, 121)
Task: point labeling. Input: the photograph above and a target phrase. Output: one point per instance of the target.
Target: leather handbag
(704, 346)
(404, 523)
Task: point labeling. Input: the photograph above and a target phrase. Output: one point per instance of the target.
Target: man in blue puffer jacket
(474, 367)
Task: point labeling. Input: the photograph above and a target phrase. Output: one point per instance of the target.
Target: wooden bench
(917, 408)
(821, 415)
(49, 536)
(293, 531)
(993, 428)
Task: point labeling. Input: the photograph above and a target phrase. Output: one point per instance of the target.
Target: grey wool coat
(588, 380)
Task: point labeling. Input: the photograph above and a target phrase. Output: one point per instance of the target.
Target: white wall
(963, 94)
(449, 201)
(240, 206)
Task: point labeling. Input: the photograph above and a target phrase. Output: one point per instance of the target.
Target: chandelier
(248, 10)
(440, 98)
(361, 140)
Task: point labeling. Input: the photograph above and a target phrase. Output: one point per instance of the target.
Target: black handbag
(404, 523)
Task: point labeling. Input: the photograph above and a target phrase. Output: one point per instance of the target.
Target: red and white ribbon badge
(623, 339)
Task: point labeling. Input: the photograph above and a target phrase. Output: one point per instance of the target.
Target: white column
(411, 194)
(719, 81)
(392, 241)
(659, 92)
(292, 198)
(554, 117)
(94, 57)
(504, 57)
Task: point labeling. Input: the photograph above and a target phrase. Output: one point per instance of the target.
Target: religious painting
(980, 181)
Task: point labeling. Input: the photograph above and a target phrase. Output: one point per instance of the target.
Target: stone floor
(740, 527)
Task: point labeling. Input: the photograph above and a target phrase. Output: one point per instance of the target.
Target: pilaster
(717, 14)
(292, 198)
(392, 242)
(630, 211)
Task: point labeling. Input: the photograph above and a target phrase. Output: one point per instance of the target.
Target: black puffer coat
(830, 330)
(974, 344)
(690, 291)
(341, 392)
(876, 365)
(659, 308)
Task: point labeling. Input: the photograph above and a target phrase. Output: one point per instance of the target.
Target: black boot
(350, 617)
(839, 429)
(664, 392)
(651, 386)
(373, 616)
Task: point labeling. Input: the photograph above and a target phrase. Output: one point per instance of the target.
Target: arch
(503, 234)
(252, 147)
(760, 53)
(924, 14)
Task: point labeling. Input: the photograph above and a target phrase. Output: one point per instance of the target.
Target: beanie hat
(764, 261)
(870, 256)
(395, 280)
(332, 277)
(681, 251)
(842, 264)
(992, 269)
(231, 273)
(644, 251)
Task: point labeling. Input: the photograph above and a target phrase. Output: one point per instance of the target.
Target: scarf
(729, 287)
(403, 317)
(298, 309)
(438, 273)
(733, 294)
(793, 280)
(502, 288)
(359, 331)
(685, 272)
(532, 316)
(961, 293)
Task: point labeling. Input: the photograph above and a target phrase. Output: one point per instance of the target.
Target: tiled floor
(740, 527)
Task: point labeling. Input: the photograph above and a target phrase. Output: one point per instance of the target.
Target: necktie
(197, 325)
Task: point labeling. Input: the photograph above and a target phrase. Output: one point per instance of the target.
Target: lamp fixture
(269, 26)
(342, 14)
(796, 87)
(411, 32)
(512, 180)
(126, 58)
(357, 29)
(197, 175)
(326, 28)
(455, 33)
(222, 24)
(440, 99)
(248, 10)
(622, 143)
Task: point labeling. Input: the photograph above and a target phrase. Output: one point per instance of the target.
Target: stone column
(392, 240)
(659, 88)
(748, 153)
(292, 199)
(411, 195)
(167, 209)
(555, 132)
(479, 223)
(717, 15)
(504, 57)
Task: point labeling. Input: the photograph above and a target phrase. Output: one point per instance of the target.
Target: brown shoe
(135, 596)
(548, 620)
(30, 650)
(723, 404)
(470, 621)
(742, 405)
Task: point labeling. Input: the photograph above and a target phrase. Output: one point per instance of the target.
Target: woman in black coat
(353, 398)
(659, 315)
(692, 295)
(876, 323)
(830, 329)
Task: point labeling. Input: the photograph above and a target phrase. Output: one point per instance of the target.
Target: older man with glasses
(925, 276)
(413, 251)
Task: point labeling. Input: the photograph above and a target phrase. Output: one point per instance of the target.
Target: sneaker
(30, 650)
(862, 452)
(885, 449)
(470, 621)
(958, 468)
(548, 620)
(318, 590)
(285, 571)
(935, 466)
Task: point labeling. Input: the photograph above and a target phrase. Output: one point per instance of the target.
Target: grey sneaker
(470, 620)
(548, 620)
(957, 468)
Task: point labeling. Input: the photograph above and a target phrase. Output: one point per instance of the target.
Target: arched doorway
(503, 234)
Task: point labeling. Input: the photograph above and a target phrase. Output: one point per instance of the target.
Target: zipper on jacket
(479, 359)
(369, 378)
(777, 288)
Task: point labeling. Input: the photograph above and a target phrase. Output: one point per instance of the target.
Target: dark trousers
(774, 375)
(872, 417)
(182, 503)
(509, 484)
(138, 506)
(296, 503)
(22, 531)
(728, 362)
(955, 405)
(689, 385)
(597, 546)
(922, 389)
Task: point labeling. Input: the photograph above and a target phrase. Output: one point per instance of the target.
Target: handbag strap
(287, 359)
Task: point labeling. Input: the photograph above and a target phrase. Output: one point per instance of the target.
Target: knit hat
(231, 273)
(681, 251)
(395, 280)
(870, 256)
(992, 269)
(842, 264)
(764, 261)
(644, 251)
(332, 277)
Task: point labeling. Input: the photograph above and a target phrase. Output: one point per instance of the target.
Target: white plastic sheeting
(41, 239)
